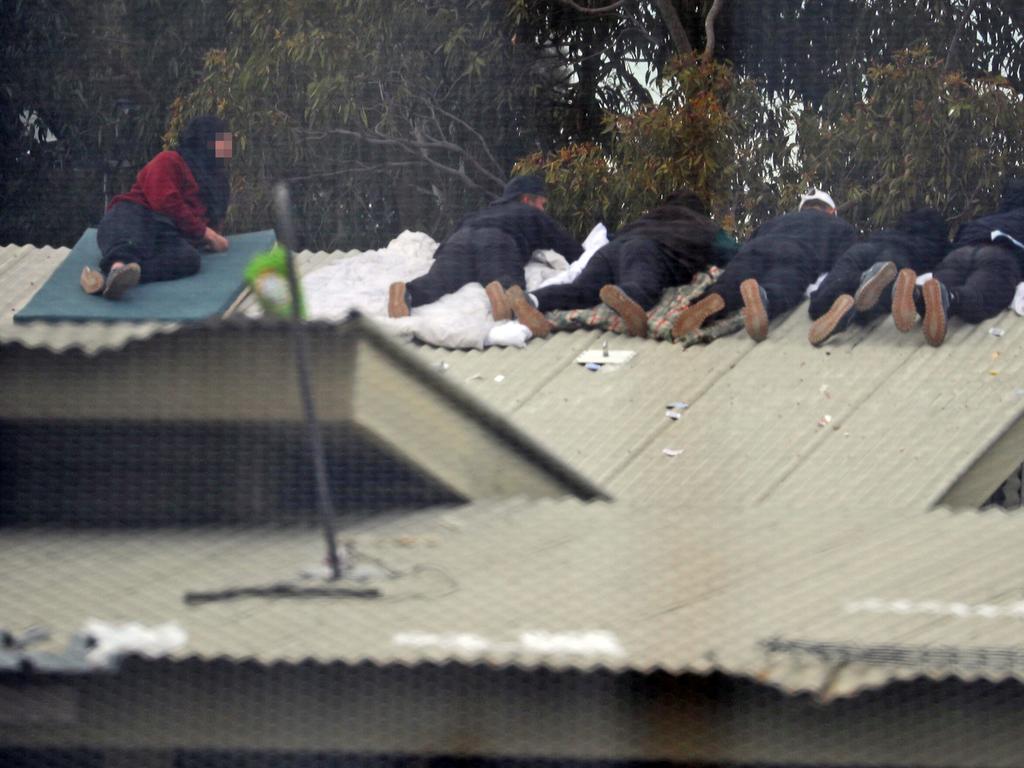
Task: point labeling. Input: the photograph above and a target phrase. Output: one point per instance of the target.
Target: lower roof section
(828, 602)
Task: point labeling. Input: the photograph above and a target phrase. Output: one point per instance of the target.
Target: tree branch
(956, 35)
(709, 31)
(593, 11)
(675, 26)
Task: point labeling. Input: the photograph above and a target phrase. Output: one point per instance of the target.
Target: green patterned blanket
(659, 319)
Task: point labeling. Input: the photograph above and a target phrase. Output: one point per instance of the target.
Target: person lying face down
(771, 271)
(860, 284)
(178, 202)
(490, 247)
(976, 280)
(663, 248)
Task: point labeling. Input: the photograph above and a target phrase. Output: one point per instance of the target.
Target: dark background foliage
(404, 114)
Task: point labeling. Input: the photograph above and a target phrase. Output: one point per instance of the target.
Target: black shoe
(120, 279)
(837, 319)
(873, 282)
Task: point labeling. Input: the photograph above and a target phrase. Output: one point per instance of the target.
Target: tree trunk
(675, 26)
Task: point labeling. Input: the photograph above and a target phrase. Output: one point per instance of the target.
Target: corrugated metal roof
(830, 601)
(906, 420)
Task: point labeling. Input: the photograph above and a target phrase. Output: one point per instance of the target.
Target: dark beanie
(523, 185)
(1013, 195)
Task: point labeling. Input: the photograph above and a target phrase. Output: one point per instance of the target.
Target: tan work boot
(904, 309)
(92, 281)
(526, 313)
(396, 300)
(755, 310)
(630, 312)
(936, 311)
(500, 309)
(833, 321)
(693, 317)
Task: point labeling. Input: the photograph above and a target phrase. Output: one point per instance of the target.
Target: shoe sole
(904, 311)
(692, 318)
(934, 314)
(632, 314)
(868, 294)
(396, 301)
(825, 326)
(500, 309)
(120, 280)
(755, 317)
(91, 281)
(527, 314)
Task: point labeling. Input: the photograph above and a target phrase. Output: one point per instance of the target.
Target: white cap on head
(817, 194)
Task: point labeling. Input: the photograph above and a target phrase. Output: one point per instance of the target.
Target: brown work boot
(904, 309)
(755, 309)
(874, 280)
(936, 311)
(120, 279)
(500, 309)
(526, 313)
(92, 281)
(835, 320)
(630, 312)
(396, 300)
(693, 317)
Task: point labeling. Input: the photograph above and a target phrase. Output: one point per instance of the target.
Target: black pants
(132, 233)
(844, 277)
(983, 279)
(781, 265)
(470, 256)
(637, 266)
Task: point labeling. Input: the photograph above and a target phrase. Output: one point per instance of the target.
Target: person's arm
(557, 238)
(723, 248)
(166, 184)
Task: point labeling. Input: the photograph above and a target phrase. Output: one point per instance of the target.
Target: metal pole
(286, 236)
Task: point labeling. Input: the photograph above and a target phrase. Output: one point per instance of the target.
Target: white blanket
(458, 320)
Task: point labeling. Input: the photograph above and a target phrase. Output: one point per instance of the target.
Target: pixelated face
(540, 202)
(222, 146)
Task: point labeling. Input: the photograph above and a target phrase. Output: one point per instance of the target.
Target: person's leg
(498, 259)
(452, 268)
(844, 277)
(642, 272)
(172, 256)
(124, 235)
(583, 291)
(981, 284)
(724, 295)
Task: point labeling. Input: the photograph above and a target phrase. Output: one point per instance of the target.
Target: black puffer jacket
(1009, 220)
(683, 234)
(531, 228)
(921, 234)
(822, 236)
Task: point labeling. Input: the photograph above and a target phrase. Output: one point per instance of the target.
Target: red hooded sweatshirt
(166, 185)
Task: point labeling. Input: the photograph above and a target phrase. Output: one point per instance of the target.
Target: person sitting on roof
(860, 284)
(661, 249)
(178, 202)
(490, 247)
(976, 280)
(771, 271)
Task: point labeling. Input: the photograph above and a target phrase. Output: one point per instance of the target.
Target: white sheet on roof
(458, 320)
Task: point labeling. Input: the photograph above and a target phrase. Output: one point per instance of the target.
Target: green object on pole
(267, 276)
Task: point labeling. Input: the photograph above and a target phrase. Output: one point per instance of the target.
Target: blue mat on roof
(206, 294)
